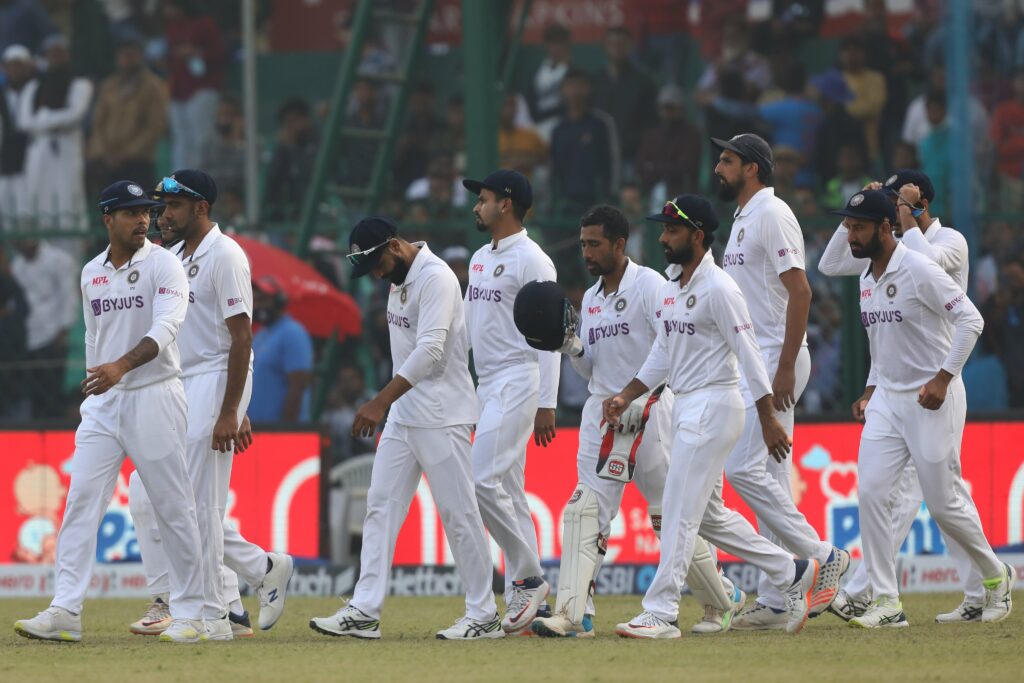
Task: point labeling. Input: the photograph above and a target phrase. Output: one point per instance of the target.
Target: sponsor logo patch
(615, 467)
(100, 280)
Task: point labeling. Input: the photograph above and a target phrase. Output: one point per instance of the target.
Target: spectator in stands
(788, 162)
(18, 70)
(624, 91)
(358, 154)
(916, 125)
(129, 120)
(224, 157)
(49, 278)
(888, 52)
(13, 313)
(453, 137)
(418, 138)
(348, 394)
(793, 120)
(440, 190)
(291, 164)
(631, 203)
(1008, 137)
(520, 148)
(457, 258)
(824, 337)
(838, 127)
(732, 109)
(53, 112)
(985, 377)
(904, 155)
(195, 65)
(737, 57)
(1005, 323)
(283, 365)
(999, 241)
(546, 98)
(934, 152)
(24, 22)
(584, 149)
(869, 92)
(851, 178)
(669, 153)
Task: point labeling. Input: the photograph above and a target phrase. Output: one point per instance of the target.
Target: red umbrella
(312, 300)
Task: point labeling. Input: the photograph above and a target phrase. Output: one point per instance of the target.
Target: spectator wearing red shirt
(195, 64)
(1008, 136)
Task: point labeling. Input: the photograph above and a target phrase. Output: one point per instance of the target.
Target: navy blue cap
(872, 205)
(188, 183)
(903, 176)
(124, 194)
(506, 183)
(366, 243)
(749, 147)
(697, 211)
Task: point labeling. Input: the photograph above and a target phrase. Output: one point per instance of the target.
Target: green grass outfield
(827, 650)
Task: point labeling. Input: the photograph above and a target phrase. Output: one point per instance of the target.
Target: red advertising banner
(273, 500)
(824, 482)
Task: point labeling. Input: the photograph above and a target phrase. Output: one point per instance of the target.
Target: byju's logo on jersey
(101, 306)
(234, 301)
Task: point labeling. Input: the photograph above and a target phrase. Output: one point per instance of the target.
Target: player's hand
(369, 415)
(911, 194)
(776, 438)
(101, 378)
(612, 409)
(784, 388)
(874, 185)
(861, 404)
(244, 438)
(572, 346)
(225, 432)
(933, 395)
(544, 426)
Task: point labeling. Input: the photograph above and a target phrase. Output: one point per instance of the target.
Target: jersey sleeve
(438, 302)
(90, 327)
(940, 294)
(783, 241)
(735, 325)
(837, 259)
(232, 284)
(170, 301)
(949, 249)
(655, 369)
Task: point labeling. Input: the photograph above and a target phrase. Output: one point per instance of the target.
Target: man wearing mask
(284, 358)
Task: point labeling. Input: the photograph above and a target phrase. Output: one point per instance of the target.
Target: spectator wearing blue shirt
(283, 364)
(794, 119)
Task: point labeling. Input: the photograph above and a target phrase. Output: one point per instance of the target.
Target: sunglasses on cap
(172, 186)
(673, 211)
(357, 257)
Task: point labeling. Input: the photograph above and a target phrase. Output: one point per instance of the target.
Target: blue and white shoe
(884, 613)
(473, 629)
(347, 621)
(274, 589)
(559, 626)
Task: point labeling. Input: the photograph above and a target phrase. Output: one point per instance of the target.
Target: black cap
(541, 315)
(751, 148)
(124, 194)
(872, 205)
(190, 183)
(904, 176)
(506, 183)
(698, 210)
(373, 233)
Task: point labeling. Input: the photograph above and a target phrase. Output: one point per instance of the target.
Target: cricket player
(912, 192)
(765, 256)
(216, 361)
(921, 328)
(705, 332)
(518, 386)
(135, 297)
(616, 331)
(432, 410)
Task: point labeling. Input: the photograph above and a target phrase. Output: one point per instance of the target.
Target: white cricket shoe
(717, 621)
(966, 611)
(846, 607)
(798, 597)
(827, 586)
(648, 626)
(183, 631)
(999, 596)
(217, 629)
(241, 627)
(156, 619)
(347, 621)
(760, 617)
(473, 629)
(884, 613)
(274, 589)
(560, 626)
(53, 623)
(527, 597)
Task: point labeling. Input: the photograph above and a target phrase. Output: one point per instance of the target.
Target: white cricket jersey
(496, 274)
(704, 328)
(618, 329)
(945, 246)
(765, 242)
(918, 320)
(146, 297)
(429, 347)
(220, 287)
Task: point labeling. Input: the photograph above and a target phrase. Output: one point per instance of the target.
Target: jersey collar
(760, 196)
(208, 241)
(894, 262)
(507, 243)
(417, 263)
(627, 281)
(140, 255)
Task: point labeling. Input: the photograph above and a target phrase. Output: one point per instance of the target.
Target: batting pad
(580, 548)
(704, 580)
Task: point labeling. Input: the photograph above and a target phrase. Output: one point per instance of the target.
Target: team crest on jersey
(740, 235)
(499, 270)
(691, 300)
(857, 199)
(620, 305)
(133, 277)
(890, 291)
(193, 269)
(404, 296)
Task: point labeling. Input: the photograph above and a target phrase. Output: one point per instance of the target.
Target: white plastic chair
(350, 482)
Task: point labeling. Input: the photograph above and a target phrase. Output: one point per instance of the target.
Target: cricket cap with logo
(367, 241)
(910, 176)
(871, 205)
(188, 183)
(504, 183)
(688, 209)
(750, 148)
(124, 194)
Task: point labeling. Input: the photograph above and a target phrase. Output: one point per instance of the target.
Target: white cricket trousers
(148, 425)
(210, 474)
(897, 430)
(766, 485)
(906, 504)
(708, 423)
(508, 406)
(403, 455)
